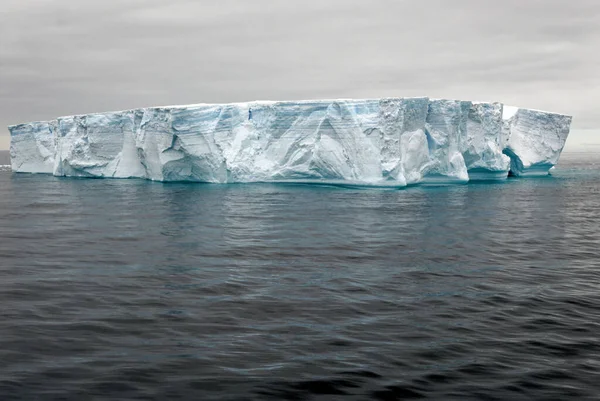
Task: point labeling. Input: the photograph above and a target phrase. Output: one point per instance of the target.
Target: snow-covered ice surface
(391, 142)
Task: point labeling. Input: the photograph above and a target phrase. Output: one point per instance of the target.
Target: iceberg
(388, 142)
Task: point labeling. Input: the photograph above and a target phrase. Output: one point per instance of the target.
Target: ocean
(130, 289)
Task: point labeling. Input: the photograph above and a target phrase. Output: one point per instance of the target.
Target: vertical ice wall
(350, 141)
(410, 125)
(316, 141)
(446, 129)
(482, 148)
(383, 142)
(179, 144)
(534, 140)
(32, 147)
(97, 145)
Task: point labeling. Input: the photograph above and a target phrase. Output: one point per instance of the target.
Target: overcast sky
(61, 57)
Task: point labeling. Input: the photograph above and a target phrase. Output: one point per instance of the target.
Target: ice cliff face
(534, 140)
(32, 147)
(446, 129)
(381, 142)
(483, 147)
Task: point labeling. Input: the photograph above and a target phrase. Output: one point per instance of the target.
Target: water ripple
(126, 289)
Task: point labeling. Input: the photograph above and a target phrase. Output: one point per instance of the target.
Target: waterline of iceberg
(388, 142)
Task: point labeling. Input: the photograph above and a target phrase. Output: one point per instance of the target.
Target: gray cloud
(63, 57)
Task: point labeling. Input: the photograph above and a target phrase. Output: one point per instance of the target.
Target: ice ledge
(389, 142)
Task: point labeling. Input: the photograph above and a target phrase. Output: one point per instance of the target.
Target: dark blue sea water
(128, 289)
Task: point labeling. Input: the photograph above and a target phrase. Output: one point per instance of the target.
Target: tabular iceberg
(379, 142)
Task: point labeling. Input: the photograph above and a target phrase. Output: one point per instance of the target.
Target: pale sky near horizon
(60, 57)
